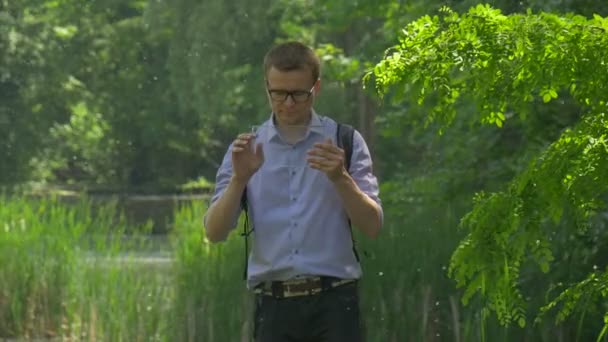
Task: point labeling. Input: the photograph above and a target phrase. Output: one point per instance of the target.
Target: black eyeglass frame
(298, 96)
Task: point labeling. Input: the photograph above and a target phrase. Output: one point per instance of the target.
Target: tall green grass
(406, 295)
(73, 272)
(211, 303)
(59, 274)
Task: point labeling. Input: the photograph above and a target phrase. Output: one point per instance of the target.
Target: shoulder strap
(246, 230)
(344, 139)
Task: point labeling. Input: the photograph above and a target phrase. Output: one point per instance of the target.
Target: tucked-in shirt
(300, 227)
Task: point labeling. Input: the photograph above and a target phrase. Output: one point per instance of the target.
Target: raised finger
(316, 164)
(241, 141)
(240, 144)
(328, 154)
(331, 148)
(326, 144)
(322, 162)
(245, 136)
(237, 149)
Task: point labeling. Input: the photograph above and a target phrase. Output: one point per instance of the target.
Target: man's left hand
(328, 158)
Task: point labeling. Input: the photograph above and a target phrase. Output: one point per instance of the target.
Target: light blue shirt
(300, 225)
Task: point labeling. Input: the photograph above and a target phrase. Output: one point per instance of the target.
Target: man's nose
(289, 101)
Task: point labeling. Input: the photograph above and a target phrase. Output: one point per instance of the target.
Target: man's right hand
(222, 215)
(246, 159)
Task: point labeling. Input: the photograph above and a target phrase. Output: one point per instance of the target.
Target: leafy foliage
(506, 66)
(506, 228)
(506, 61)
(28, 89)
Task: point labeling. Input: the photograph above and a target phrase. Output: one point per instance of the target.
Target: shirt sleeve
(361, 170)
(222, 178)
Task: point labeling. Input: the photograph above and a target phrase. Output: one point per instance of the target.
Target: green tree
(87, 96)
(30, 87)
(215, 68)
(508, 66)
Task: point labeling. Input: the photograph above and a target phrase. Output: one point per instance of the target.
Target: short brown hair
(292, 56)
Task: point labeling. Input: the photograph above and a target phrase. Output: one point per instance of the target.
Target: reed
(211, 303)
(76, 273)
(65, 272)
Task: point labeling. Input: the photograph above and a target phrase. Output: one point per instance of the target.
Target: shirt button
(293, 172)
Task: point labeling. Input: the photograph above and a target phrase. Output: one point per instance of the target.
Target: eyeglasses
(298, 96)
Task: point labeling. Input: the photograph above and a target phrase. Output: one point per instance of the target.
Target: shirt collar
(316, 124)
(270, 130)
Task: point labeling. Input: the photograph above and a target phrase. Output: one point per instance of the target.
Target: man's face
(291, 95)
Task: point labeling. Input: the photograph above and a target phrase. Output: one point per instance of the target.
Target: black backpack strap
(344, 139)
(246, 230)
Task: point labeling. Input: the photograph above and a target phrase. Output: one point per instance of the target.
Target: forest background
(487, 123)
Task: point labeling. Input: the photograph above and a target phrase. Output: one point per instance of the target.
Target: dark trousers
(329, 316)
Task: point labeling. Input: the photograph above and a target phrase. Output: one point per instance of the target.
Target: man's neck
(292, 133)
(281, 125)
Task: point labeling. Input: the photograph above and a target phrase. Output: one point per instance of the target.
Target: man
(300, 197)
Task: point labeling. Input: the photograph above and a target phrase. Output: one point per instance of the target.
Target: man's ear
(317, 86)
